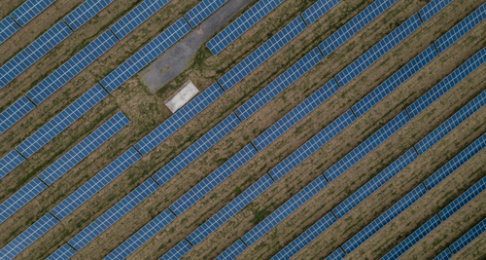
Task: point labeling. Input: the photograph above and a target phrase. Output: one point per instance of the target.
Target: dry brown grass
(8, 6)
(475, 250)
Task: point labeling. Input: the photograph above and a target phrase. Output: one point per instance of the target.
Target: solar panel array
(145, 55)
(61, 121)
(177, 251)
(233, 251)
(63, 253)
(354, 25)
(460, 201)
(20, 198)
(202, 11)
(445, 255)
(468, 237)
(9, 162)
(84, 148)
(450, 81)
(29, 9)
(33, 52)
(72, 67)
(296, 114)
(378, 50)
(14, 113)
(317, 10)
(279, 84)
(336, 255)
(95, 184)
(432, 8)
(7, 28)
(241, 25)
(261, 54)
(196, 149)
(136, 17)
(84, 12)
(312, 145)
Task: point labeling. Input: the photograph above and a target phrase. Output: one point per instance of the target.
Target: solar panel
(29, 9)
(456, 162)
(39, 228)
(202, 11)
(72, 67)
(84, 148)
(432, 8)
(7, 28)
(305, 238)
(378, 50)
(468, 237)
(60, 122)
(354, 25)
(384, 218)
(196, 149)
(142, 236)
(63, 253)
(375, 183)
(113, 214)
(230, 210)
(233, 251)
(336, 255)
(20, 198)
(394, 81)
(461, 29)
(9, 162)
(177, 251)
(445, 255)
(279, 84)
(182, 116)
(84, 12)
(317, 10)
(451, 123)
(261, 54)
(413, 238)
(95, 184)
(33, 52)
(450, 81)
(312, 145)
(462, 200)
(296, 114)
(284, 211)
(14, 113)
(367, 146)
(145, 55)
(213, 179)
(241, 25)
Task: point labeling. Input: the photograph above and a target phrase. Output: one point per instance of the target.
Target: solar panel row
(336, 255)
(468, 237)
(9, 162)
(317, 10)
(432, 8)
(7, 28)
(465, 197)
(63, 253)
(177, 251)
(29, 9)
(84, 12)
(279, 84)
(445, 255)
(241, 25)
(20, 198)
(233, 251)
(202, 11)
(14, 113)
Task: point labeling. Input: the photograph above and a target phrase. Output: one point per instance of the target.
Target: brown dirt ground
(8, 6)
(475, 250)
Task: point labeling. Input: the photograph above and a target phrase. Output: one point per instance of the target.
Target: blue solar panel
(213, 179)
(305, 238)
(7, 28)
(233, 251)
(39, 228)
(182, 116)
(461, 29)
(457, 161)
(354, 25)
(136, 17)
(241, 25)
(468, 237)
(296, 114)
(33, 52)
(413, 238)
(450, 81)
(394, 81)
(202, 11)
(145, 55)
(196, 149)
(177, 251)
(72, 67)
(20, 198)
(284, 211)
(142, 236)
(432, 8)
(451, 123)
(312, 145)
(84, 12)
(336, 255)
(63, 253)
(374, 183)
(95, 184)
(230, 210)
(462, 200)
(378, 50)
(445, 255)
(9, 162)
(113, 214)
(317, 10)
(60, 122)
(261, 54)
(29, 9)
(279, 84)
(367, 146)
(84, 148)
(383, 219)
(14, 113)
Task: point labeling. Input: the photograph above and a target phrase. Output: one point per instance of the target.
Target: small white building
(183, 95)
